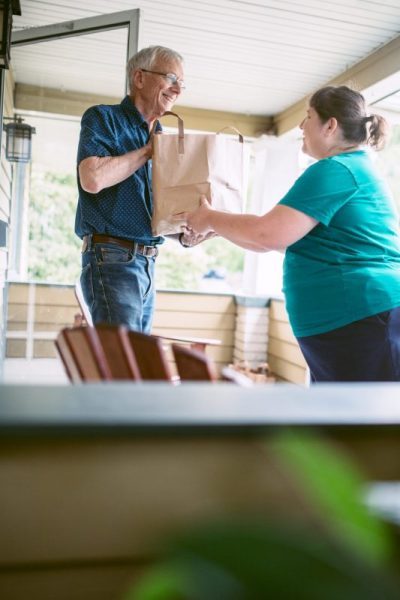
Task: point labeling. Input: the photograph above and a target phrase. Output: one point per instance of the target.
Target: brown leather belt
(100, 238)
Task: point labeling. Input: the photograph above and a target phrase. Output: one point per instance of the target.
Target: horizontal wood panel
(282, 331)
(166, 301)
(49, 328)
(54, 295)
(16, 327)
(17, 313)
(286, 370)
(98, 499)
(44, 349)
(64, 315)
(18, 293)
(286, 351)
(284, 355)
(277, 311)
(201, 321)
(15, 348)
(220, 354)
(80, 581)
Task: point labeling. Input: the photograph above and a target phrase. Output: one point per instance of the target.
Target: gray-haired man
(115, 200)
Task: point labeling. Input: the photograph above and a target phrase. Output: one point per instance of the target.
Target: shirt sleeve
(321, 190)
(96, 136)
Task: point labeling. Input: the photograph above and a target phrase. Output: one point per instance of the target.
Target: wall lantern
(18, 140)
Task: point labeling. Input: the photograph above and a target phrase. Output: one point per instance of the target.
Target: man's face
(155, 94)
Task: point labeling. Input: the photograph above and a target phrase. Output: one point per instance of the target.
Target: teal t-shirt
(348, 267)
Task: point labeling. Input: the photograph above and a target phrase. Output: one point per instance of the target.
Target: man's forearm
(97, 173)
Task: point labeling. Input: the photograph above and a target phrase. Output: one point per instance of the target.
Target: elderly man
(115, 198)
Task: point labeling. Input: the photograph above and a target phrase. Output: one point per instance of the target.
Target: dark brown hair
(348, 107)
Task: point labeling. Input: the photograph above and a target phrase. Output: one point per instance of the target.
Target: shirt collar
(136, 116)
(130, 108)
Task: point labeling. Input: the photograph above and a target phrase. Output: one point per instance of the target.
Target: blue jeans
(365, 350)
(118, 286)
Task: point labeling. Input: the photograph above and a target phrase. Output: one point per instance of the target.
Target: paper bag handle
(234, 129)
(181, 131)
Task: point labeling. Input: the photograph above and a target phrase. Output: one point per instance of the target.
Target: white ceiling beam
(30, 97)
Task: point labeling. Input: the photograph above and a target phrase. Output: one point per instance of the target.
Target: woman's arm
(276, 230)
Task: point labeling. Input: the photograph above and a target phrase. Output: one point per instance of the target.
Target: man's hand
(189, 238)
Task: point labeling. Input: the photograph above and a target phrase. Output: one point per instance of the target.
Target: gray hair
(146, 59)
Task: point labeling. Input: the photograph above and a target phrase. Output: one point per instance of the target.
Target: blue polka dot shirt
(125, 209)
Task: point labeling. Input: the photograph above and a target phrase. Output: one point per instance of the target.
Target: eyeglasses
(171, 77)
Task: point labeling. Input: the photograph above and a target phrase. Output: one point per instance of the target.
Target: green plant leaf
(162, 583)
(249, 561)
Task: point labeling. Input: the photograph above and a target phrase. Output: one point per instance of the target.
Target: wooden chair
(150, 356)
(118, 351)
(67, 358)
(193, 365)
(81, 351)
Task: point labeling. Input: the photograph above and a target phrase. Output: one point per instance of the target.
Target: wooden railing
(248, 329)
(37, 312)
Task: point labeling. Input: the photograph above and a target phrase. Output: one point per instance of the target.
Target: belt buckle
(149, 251)
(154, 252)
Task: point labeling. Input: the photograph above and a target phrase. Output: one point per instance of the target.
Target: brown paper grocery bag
(186, 165)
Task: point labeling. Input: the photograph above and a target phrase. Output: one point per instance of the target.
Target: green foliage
(222, 253)
(341, 556)
(54, 249)
(178, 268)
(183, 268)
(249, 561)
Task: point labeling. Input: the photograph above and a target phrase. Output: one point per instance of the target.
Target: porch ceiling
(254, 57)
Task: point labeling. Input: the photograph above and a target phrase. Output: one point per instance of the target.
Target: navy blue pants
(366, 350)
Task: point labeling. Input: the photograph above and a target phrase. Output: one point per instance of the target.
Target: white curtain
(276, 167)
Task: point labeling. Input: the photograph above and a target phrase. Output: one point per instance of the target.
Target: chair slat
(193, 365)
(118, 352)
(87, 353)
(150, 356)
(67, 358)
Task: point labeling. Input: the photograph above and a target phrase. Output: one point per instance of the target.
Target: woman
(339, 229)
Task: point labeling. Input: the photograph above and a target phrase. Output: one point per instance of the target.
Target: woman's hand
(197, 221)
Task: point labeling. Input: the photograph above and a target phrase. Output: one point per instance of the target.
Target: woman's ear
(331, 126)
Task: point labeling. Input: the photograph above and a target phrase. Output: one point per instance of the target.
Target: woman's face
(314, 134)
